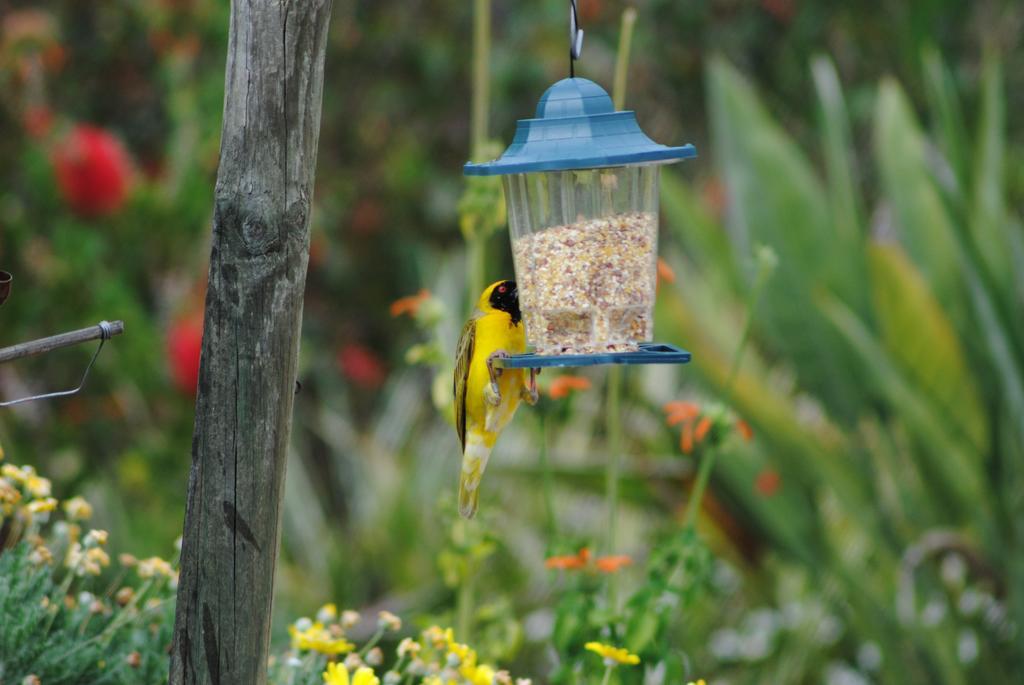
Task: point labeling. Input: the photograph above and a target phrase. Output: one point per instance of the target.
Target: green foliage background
(873, 147)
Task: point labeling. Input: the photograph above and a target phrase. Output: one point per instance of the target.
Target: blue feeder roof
(577, 127)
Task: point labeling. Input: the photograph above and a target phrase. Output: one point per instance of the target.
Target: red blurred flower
(745, 430)
(367, 216)
(410, 304)
(783, 10)
(38, 121)
(184, 343)
(767, 482)
(93, 171)
(361, 365)
(563, 386)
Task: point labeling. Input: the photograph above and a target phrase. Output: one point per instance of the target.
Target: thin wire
(106, 332)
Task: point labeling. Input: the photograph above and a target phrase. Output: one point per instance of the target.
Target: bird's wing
(463, 357)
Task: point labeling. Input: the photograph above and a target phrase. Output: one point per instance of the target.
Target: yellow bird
(486, 397)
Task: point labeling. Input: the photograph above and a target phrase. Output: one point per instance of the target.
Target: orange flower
(686, 439)
(571, 561)
(767, 482)
(613, 563)
(582, 560)
(677, 412)
(745, 430)
(562, 386)
(665, 272)
(703, 428)
(410, 304)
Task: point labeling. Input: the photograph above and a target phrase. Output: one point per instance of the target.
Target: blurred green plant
(899, 422)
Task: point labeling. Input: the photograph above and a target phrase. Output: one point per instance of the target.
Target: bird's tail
(474, 461)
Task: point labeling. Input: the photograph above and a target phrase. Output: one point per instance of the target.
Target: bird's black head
(505, 297)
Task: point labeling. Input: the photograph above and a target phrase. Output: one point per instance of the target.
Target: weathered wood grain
(272, 103)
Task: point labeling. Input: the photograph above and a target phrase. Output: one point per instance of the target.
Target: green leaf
(952, 132)
(921, 221)
(776, 199)
(943, 457)
(920, 338)
(988, 218)
(847, 213)
(643, 626)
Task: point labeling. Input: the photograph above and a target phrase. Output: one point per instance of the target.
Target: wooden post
(272, 102)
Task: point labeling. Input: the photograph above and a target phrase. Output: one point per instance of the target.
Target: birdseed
(589, 287)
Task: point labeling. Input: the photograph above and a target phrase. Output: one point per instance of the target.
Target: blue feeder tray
(649, 353)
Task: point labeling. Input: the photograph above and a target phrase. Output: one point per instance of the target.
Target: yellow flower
(337, 674)
(389, 621)
(78, 509)
(40, 555)
(435, 636)
(13, 472)
(365, 676)
(482, 675)
(699, 682)
(408, 646)
(349, 618)
(328, 613)
(613, 655)
(95, 538)
(37, 485)
(155, 566)
(42, 506)
(318, 639)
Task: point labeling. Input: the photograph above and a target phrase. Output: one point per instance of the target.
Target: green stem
(607, 675)
(481, 75)
(697, 494)
(477, 266)
(373, 641)
(622, 59)
(478, 124)
(62, 592)
(612, 472)
(464, 608)
(547, 478)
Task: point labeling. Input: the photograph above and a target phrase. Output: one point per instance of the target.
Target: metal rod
(55, 342)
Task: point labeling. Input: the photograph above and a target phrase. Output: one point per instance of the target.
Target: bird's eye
(502, 289)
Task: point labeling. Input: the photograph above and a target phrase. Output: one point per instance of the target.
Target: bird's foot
(492, 371)
(530, 394)
(492, 394)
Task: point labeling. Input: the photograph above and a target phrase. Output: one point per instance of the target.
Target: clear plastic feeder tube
(585, 244)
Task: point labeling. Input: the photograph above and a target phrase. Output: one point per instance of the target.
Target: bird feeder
(581, 186)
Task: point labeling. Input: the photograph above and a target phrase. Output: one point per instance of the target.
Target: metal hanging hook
(575, 38)
(104, 330)
(5, 286)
